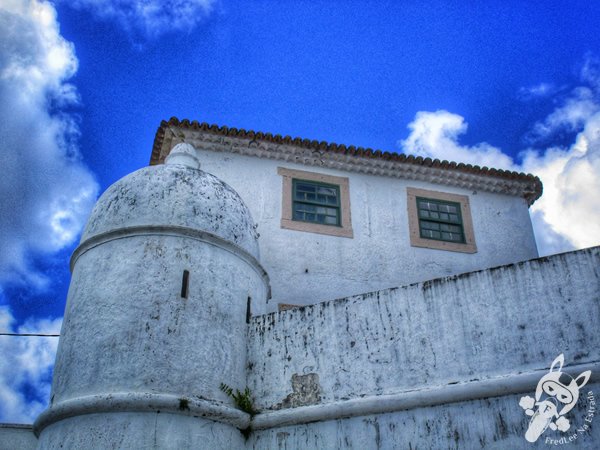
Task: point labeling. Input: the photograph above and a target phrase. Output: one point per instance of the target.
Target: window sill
(309, 227)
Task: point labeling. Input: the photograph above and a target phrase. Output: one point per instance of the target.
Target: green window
(316, 202)
(440, 220)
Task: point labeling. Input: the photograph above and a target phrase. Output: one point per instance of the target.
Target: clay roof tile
(324, 146)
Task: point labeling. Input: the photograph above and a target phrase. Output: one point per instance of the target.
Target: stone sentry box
(162, 284)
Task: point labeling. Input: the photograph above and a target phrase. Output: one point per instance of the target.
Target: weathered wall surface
(482, 324)
(306, 268)
(173, 195)
(127, 431)
(17, 437)
(476, 326)
(495, 423)
(148, 338)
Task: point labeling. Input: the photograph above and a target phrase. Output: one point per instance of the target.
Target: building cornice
(342, 157)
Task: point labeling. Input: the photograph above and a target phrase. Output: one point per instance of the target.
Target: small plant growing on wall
(243, 400)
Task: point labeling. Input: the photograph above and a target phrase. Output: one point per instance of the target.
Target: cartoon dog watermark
(556, 394)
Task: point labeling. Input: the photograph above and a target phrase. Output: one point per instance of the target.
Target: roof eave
(342, 157)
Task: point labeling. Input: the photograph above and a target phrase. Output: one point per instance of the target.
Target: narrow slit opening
(248, 309)
(185, 282)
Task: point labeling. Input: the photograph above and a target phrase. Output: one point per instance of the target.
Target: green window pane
(454, 237)
(440, 220)
(327, 190)
(316, 202)
(430, 225)
(304, 187)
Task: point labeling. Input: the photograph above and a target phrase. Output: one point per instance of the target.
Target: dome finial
(183, 154)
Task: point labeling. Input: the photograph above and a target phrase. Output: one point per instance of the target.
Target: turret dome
(175, 194)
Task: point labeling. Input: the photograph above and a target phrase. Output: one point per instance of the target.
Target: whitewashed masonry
(374, 249)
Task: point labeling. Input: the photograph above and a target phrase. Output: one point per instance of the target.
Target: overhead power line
(30, 334)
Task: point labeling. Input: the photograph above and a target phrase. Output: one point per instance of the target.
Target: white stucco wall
(411, 352)
(128, 431)
(496, 423)
(127, 329)
(17, 437)
(306, 268)
(472, 326)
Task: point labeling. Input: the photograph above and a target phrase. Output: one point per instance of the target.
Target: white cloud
(150, 18)
(435, 135)
(590, 73)
(567, 216)
(25, 366)
(571, 115)
(570, 206)
(538, 91)
(45, 190)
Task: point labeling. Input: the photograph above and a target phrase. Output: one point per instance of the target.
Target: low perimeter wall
(441, 363)
(17, 437)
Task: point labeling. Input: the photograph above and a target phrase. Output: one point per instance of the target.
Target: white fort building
(368, 300)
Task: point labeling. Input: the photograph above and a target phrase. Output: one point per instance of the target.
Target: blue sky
(84, 85)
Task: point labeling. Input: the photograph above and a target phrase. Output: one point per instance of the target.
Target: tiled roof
(355, 152)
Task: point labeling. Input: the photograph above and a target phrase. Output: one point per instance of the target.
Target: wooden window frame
(468, 246)
(344, 229)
